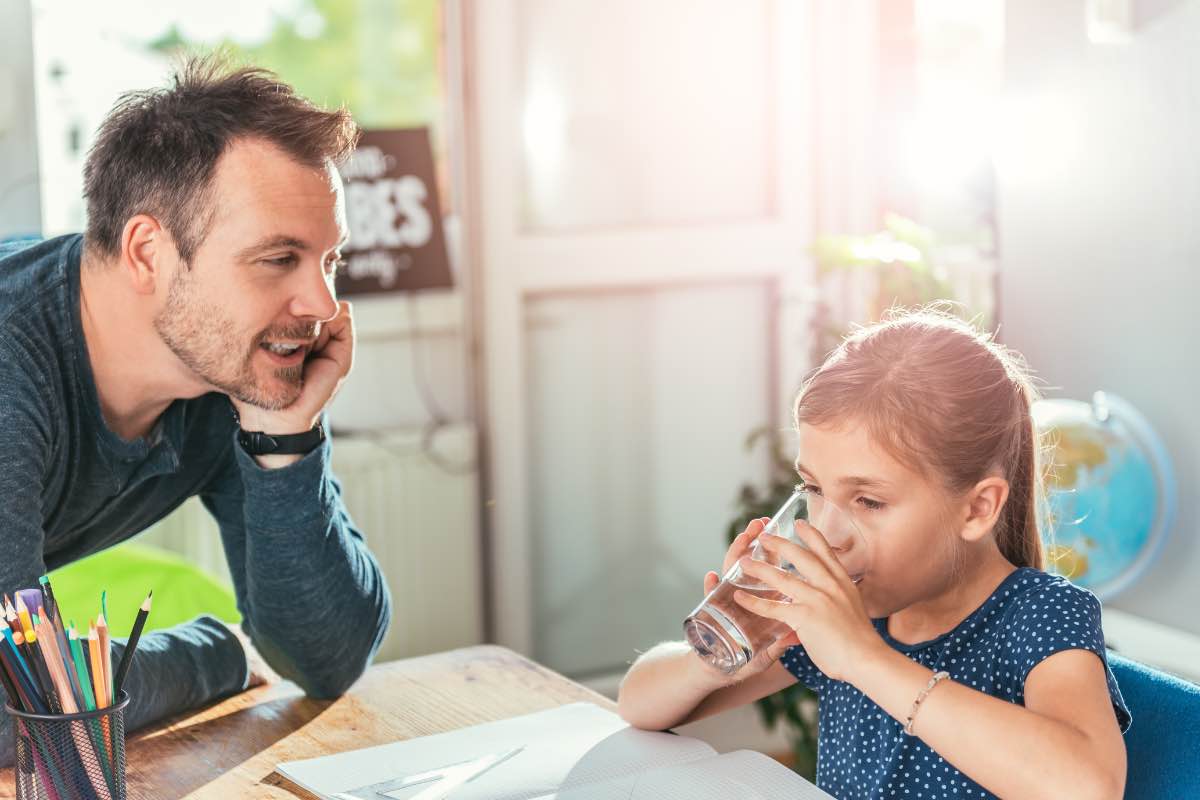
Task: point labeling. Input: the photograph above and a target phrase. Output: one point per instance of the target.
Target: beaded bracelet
(937, 678)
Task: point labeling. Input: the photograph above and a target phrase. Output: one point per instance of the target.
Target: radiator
(420, 518)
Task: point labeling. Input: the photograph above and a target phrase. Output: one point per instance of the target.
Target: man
(200, 294)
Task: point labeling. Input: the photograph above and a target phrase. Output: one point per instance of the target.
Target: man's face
(247, 311)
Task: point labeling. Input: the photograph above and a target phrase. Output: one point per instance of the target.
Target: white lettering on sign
(368, 161)
(377, 264)
(388, 213)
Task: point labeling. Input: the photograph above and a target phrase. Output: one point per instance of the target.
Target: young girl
(956, 667)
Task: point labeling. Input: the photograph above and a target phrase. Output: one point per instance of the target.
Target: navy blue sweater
(312, 596)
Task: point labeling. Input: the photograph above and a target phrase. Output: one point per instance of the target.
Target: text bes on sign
(392, 208)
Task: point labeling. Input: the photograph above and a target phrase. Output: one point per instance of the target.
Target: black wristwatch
(257, 443)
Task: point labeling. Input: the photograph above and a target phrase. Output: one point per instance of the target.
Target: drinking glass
(728, 636)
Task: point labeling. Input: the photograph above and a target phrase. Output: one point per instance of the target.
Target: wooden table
(229, 750)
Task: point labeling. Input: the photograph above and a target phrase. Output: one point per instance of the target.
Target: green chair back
(127, 572)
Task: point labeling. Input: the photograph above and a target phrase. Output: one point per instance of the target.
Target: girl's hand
(740, 549)
(825, 612)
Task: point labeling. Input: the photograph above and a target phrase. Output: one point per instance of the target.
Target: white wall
(20, 211)
(1099, 200)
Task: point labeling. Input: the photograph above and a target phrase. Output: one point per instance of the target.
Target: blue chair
(1163, 742)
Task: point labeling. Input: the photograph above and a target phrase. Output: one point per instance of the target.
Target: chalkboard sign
(397, 243)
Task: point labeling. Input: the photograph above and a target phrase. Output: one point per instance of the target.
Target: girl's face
(907, 520)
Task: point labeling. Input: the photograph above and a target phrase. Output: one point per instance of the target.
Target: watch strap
(258, 443)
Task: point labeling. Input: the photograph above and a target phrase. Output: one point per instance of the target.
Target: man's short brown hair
(157, 151)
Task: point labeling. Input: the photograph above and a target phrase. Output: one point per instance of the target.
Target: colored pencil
(24, 676)
(54, 665)
(39, 667)
(33, 599)
(50, 603)
(60, 633)
(17, 640)
(15, 685)
(131, 645)
(29, 653)
(105, 656)
(99, 686)
(23, 615)
(48, 648)
(47, 770)
(89, 699)
(87, 664)
(18, 631)
(15, 698)
(47, 667)
(14, 624)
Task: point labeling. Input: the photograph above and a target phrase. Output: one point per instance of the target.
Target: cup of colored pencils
(66, 703)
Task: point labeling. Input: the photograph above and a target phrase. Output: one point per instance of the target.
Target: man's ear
(985, 501)
(146, 253)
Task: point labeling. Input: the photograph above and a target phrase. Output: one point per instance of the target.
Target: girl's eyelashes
(865, 502)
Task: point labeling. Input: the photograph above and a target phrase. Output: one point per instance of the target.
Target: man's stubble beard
(205, 340)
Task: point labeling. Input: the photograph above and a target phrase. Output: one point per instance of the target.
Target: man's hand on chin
(325, 369)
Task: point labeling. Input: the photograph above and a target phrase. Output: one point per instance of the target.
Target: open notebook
(575, 752)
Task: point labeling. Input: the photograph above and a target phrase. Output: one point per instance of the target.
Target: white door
(639, 211)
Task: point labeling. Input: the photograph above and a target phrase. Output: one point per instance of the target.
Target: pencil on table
(131, 644)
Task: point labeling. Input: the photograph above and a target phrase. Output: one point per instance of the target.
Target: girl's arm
(669, 686)
(1065, 741)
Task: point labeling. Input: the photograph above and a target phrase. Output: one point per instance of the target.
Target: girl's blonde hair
(947, 401)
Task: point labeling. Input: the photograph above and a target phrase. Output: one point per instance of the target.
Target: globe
(1110, 491)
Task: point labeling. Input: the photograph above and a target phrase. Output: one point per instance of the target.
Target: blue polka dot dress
(864, 753)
